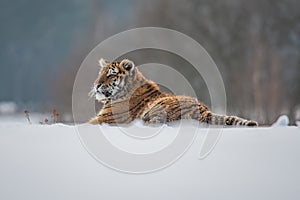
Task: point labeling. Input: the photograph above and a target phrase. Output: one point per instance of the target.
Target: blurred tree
(255, 44)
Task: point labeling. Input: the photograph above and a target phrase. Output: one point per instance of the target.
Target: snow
(8, 107)
(283, 120)
(50, 162)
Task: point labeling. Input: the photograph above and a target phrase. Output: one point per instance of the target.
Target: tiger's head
(113, 80)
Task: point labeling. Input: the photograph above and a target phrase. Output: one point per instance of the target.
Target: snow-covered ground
(50, 162)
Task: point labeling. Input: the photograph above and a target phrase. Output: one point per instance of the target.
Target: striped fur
(128, 95)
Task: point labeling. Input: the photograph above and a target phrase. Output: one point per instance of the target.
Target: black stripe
(208, 117)
(148, 90)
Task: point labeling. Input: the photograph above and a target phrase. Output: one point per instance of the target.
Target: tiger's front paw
(94, 120)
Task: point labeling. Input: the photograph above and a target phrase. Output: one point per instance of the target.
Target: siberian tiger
(127, 95)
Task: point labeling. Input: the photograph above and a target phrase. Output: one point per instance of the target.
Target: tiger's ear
(103, 62)
(127, 64)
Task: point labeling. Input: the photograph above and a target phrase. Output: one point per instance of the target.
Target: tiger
(127, 95)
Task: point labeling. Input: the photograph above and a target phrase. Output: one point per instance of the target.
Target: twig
(27, 115)
(55, 115)
(44, 122)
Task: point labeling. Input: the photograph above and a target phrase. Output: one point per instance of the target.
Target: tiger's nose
(106, 93)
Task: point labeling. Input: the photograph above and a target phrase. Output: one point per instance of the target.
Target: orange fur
(128, 95)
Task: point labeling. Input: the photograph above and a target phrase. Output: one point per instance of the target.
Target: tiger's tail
(215, 119)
